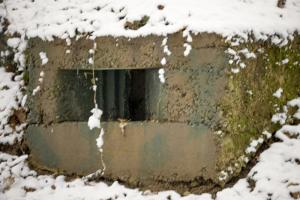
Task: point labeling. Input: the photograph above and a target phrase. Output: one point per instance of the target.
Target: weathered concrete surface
(144, 155)
(186, 107)
(65, 147)
(200, 91)
(202, 72)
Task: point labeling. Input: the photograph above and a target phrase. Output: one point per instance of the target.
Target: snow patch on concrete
(94, 119)
(44, 58)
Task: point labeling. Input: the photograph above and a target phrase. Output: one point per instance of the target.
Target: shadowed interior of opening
(121, 94)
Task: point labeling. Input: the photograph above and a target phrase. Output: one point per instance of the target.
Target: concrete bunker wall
(174, 148)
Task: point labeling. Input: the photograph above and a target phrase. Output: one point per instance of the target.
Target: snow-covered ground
(10, 99)
(276, 175)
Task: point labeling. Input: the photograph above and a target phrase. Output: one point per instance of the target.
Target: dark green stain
(155, 152)
(40, 148)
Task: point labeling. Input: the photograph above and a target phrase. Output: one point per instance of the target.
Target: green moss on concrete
(246, 116)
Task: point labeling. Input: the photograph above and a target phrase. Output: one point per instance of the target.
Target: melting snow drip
(91, 61)
(68, 41)
(187, 50)
(161, 75)
(43, 57)
(186, 33)
(165, 46)
(35, 90)
(100, 143)
(94, 119)
(38, 88)
(24, 99)
(187, 46)
(165, 50)
(163, 61)
(42, 74)
(94, 122)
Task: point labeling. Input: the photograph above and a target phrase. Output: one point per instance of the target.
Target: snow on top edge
(66, 18)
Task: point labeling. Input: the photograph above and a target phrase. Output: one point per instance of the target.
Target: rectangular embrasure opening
(121, 94)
